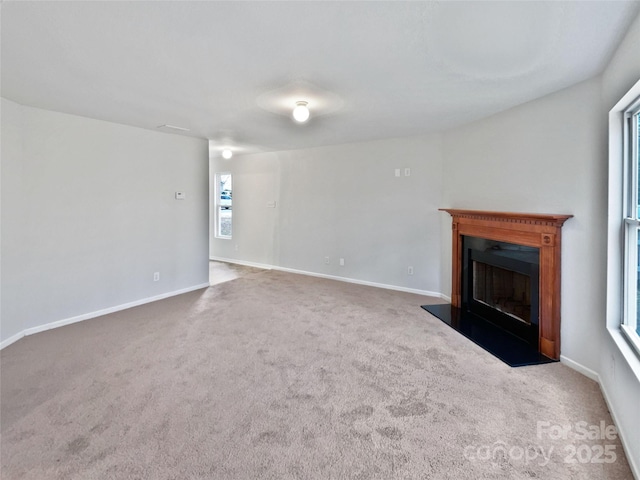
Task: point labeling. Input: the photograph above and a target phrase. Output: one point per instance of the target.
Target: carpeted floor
(220, 272)
(282, 376)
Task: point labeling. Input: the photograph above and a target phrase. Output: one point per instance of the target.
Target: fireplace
(500, 284)
(506, 266)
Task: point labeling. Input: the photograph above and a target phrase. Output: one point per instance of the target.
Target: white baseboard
(633, 465)
(360, 282)
(97, 313)
(587, 372)
(242, 262)
(335, 277)
(11, 340)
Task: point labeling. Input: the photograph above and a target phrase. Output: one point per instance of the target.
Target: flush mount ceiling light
(301, 112)
(227, 154)
(282, 101)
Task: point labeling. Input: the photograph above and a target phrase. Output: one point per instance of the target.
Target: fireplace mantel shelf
(542, 231)
(513, 217)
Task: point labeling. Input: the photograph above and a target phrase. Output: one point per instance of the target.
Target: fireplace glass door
(501, 285)
(504, 290)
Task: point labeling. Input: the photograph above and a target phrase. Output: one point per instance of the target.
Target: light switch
(397, 172)
(407, 172)
(271, 204)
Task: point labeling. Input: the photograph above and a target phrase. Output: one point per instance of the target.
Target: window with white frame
(631, 223)
(223, 199)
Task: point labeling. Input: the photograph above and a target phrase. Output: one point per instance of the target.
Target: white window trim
(631, 223)
(618, 250)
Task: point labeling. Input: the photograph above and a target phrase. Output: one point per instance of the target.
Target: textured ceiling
(232, 71)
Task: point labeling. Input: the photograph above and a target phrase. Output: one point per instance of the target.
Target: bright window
(627, 135)
(223, 205)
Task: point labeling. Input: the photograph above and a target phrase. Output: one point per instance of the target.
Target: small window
(631, 224)
(223, 206)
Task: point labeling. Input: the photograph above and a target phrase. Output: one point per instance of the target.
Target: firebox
(500, 283)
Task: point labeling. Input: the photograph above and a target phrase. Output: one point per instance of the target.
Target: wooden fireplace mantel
(529, 229)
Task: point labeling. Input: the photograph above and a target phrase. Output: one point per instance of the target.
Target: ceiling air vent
(173, 127)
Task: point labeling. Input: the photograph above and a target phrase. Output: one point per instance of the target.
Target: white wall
(88, 215)
(619, 382)
(255, 183)
(341, 202)
(546, 156)
(12, 203)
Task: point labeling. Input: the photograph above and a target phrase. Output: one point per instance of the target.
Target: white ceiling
(232, 71)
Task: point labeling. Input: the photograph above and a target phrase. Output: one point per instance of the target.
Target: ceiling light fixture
(301, 112)
(227, 154)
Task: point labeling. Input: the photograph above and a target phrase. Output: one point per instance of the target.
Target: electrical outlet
(326, 260)
(156, 276)
(397, 172)
(236, 247)
(409, 270)
(342, 262)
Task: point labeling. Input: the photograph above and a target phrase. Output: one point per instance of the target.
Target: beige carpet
(220, 272)
(281, 376)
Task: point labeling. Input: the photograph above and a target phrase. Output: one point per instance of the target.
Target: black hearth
(500, 300)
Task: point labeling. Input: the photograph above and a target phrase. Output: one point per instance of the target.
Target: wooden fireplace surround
(532, 230)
